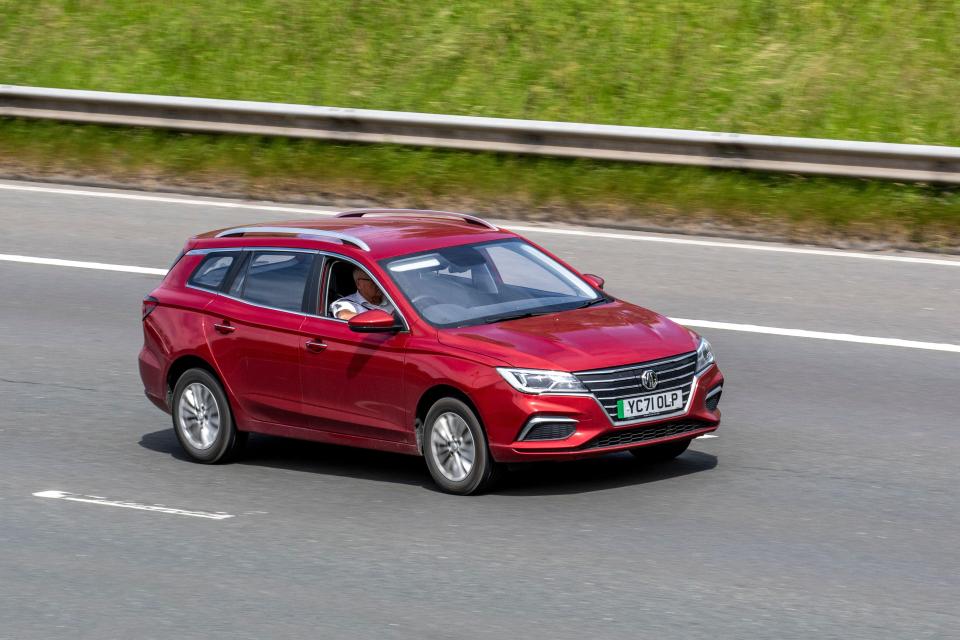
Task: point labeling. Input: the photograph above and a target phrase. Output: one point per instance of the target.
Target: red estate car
(420, 332)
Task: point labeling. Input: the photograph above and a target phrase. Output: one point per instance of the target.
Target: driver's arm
(343, 309)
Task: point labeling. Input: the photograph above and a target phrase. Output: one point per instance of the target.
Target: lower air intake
(643, 434)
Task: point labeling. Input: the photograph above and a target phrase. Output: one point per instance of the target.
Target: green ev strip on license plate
(650, 404)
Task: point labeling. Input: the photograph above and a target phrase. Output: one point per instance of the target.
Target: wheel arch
(184, 363)
(430, 396)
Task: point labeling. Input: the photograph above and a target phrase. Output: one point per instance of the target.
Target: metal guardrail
(905, 162)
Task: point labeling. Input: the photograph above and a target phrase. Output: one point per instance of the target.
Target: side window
(275, 279)
(340, 283)
(212, 270)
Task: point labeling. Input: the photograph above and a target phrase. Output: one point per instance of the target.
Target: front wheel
(202, 418)
(660, 452)
(455, 448)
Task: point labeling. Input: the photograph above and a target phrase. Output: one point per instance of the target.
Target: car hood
(605, 335)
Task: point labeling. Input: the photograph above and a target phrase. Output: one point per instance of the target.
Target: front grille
(610, 385)
(643, 434)
(550, 431)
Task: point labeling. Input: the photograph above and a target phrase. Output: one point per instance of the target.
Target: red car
(420, 332)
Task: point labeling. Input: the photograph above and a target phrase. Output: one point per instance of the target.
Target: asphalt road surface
(827, 507)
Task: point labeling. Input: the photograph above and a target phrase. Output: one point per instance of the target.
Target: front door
(352, 382)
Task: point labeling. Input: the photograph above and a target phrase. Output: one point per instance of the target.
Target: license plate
(650, 404)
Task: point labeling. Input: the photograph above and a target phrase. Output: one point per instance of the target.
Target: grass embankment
(873, 70)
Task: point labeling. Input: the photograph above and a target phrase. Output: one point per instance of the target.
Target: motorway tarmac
(826, 508)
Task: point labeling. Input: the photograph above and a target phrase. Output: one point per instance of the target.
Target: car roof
(375, 233)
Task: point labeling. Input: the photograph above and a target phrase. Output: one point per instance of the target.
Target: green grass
(872, 69)
(780, 205)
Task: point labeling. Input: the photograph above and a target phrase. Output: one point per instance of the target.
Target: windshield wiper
(528, 314)
(590, 303)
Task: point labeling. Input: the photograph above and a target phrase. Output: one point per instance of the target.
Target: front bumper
(595, 434)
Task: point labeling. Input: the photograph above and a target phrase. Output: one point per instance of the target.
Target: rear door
(253, 332)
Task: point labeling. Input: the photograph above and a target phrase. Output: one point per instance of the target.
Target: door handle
(316, 346)
(224, 327)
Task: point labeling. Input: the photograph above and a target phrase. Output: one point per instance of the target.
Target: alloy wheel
(199, 416)
(452, 446)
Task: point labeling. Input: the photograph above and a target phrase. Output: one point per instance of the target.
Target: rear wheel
(455, 448)
(202, 418)
(660, 452)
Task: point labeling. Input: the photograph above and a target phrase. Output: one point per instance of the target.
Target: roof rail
(319, 234)
(357, 213)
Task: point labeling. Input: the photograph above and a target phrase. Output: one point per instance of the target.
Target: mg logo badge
(649, 379)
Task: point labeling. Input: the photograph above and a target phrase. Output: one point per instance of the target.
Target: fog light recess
(713, 397)
(548, 428)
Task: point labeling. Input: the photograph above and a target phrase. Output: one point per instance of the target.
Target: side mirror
(374, 321)
(595, 281)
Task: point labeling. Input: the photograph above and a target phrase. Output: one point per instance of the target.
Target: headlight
(537, 381)
(704, 355)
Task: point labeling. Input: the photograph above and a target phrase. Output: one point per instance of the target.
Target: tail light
(149, 304)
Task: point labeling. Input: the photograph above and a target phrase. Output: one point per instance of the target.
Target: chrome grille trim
(717, 389)
(605, 380)
(634, 386)
(607, 396)
(648, 364)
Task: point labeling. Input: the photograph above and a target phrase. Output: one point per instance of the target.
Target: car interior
(338, 283)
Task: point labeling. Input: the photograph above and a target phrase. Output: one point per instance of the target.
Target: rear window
(275, 279)
(212, 271)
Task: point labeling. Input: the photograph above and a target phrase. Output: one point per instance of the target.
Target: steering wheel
(425, 300)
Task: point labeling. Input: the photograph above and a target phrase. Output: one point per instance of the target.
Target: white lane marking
(56, 262)
(320, 211)
(706, 436)
(63, 495)
(225, 204)
(819, 335)
(738, 245)
(701, 324)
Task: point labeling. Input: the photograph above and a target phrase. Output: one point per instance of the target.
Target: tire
(660, 452)
(212, 437)
(452, 433)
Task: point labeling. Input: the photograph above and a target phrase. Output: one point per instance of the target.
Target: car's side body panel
(258, 351)
(316, 435)
(172, 331)
(354, 383)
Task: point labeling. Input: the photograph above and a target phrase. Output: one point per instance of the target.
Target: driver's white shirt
(356, 303)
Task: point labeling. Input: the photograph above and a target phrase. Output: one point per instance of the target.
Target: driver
(367, 298)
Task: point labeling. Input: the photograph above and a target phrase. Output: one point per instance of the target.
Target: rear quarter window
(210, 273)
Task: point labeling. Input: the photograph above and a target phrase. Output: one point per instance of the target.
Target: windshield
(488, 282)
